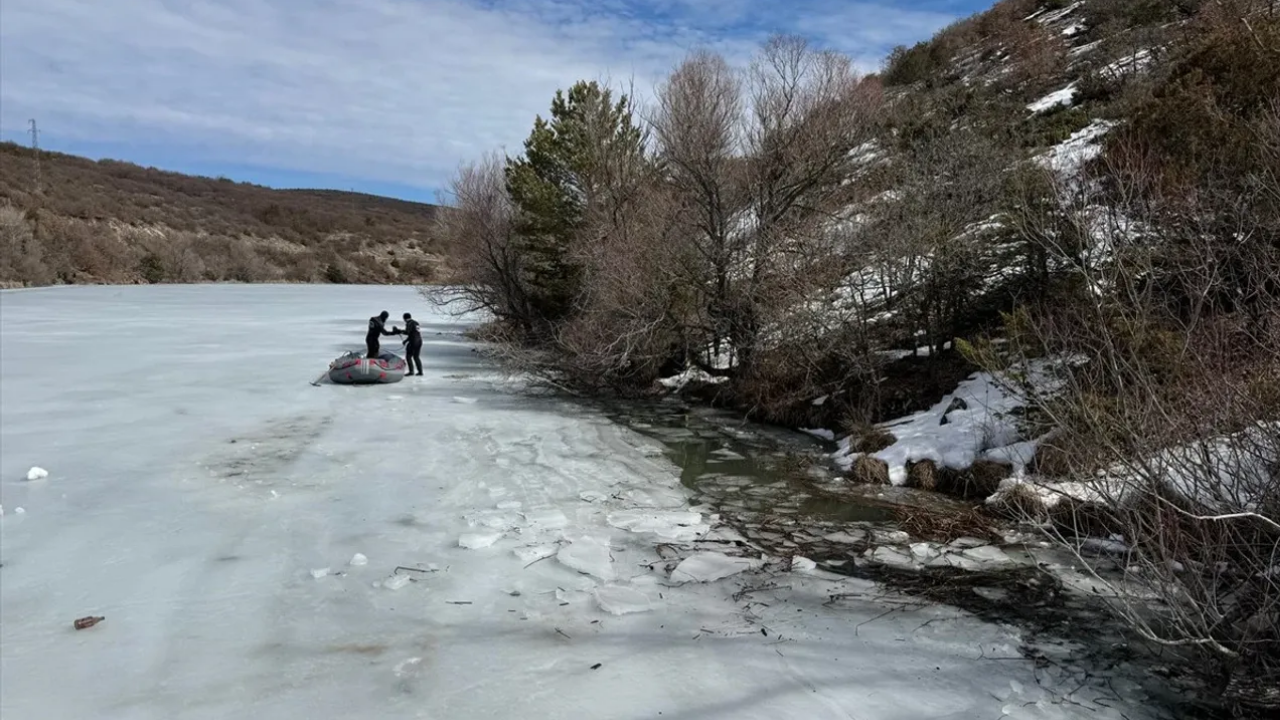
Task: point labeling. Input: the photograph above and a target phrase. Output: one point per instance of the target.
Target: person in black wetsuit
(412, 343)
(377, 328)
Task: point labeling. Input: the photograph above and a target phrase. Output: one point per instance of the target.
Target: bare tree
(481, 227)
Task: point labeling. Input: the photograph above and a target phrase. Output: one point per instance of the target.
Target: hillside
(1032, 264)
(116, 222)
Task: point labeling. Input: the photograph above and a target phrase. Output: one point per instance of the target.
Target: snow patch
(1069, 156)
(978, 420)
(1066, 96)
(678, 382)
(820, 433)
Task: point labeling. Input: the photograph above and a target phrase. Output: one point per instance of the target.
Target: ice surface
(589, 556)
(622, 600)
(475, 541)
(169, 529)
(667, 524)
(710, 566)
(547, 518)
(534, 553)
(395, 582)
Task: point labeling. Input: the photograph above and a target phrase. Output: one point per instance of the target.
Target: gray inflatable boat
(354, 368)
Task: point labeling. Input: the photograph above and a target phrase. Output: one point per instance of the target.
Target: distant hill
(108, 221)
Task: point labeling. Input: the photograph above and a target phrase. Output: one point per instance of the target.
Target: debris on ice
(475, 541)
(619, 600)
(711, 566)
(37, 473)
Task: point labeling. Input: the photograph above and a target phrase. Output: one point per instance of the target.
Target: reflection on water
(735, 466)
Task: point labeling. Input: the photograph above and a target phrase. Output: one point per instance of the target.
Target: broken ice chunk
(37, 473)
(319, 573)
(475, 541)
(548, 518)
(589, 556)
(619, 600)
(359, 559)
(534, 553)
(710, 566)
(395, 582)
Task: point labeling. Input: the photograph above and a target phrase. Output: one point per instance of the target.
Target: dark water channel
(742, 467)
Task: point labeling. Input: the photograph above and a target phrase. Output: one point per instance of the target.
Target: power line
(35, 152)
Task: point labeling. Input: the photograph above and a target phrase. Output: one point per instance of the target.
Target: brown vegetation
(116, 222)
(821, 242)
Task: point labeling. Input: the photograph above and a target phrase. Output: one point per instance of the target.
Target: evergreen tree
(564, 170)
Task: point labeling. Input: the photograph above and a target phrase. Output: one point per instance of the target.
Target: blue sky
(381, 96)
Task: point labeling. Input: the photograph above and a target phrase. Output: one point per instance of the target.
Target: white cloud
(382, 90)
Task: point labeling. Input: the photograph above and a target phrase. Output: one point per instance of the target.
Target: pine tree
(562, 172)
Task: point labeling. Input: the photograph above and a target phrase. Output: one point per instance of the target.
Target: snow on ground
(1070, 155)
(692, 375)
(511, 556)
(1065, 96)
(1129, 64)
(1225, 474)
(976, 422)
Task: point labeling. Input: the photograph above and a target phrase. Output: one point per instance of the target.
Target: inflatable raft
(356, 369)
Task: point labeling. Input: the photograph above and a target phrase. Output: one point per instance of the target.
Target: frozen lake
(209, 503)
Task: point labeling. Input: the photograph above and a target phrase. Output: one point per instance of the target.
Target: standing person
(377, 328)
(412, 343)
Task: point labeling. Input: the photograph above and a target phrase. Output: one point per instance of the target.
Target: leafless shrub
(481, 225)
(20, 256)
(1176, 402)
